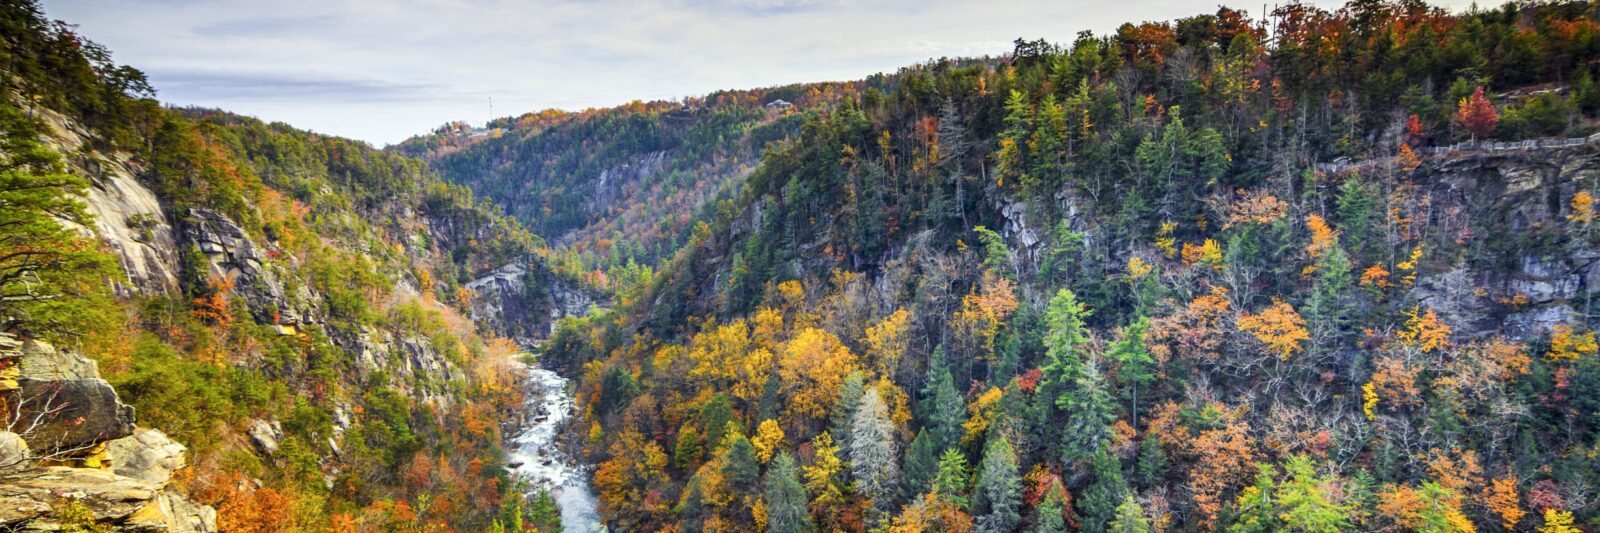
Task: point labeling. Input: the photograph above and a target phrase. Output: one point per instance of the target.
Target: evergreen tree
(951, 483)
(873, 451)
(1130, 518)
(714, 418)
(1133, 361)
(840, 420)
(999, 487)
(922, 464)
(739, 468)
(1098, 504)
(1049, 515)
(786, 497)
(947, 413)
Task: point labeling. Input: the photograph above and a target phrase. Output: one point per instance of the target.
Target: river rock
(148, 454)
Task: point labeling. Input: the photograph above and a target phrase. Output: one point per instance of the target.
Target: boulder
(74, 415)
(43, 362)
(266, 435)
(148, 454)
(13, 451)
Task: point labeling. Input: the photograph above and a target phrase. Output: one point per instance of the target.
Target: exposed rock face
(34, 500)
(525, 302)
(74, 408)
(266, 435)
(127, 215)
(230, 252)
(148, 454)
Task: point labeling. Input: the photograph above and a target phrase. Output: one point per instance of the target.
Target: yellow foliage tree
(1566, 345)
(812, 368)
(886, 342)
(1558, 522)
(1279, 327)
(1323, 237)
(1501, 497)
(768, 439)
(1582, 208)
(1424, 331)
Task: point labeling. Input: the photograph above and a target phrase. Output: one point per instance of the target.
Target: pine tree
(999, 487)
(786, 497)
(1049, 516)
(946, 414)
(1130, 518)
(840, 420)
(951, 482)
(873, 451)
(739, 468)
(1098, 505)
(922, 464)
(1133, 361)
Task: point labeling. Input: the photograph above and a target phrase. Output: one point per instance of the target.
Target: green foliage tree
(52, 280)
(786, 497)
(999, 487)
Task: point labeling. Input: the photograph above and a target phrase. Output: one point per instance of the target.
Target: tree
(785, 497)
(813, 368)
(52, 279)
(1130, 518)
(951, 482)
(922, 463)
(823, 475)
(1558, 522)
(739, 468)
(1477, 114)
(873, 451)
(1133, 361)
(1279, 327)
(946, 412)
(1098, 504)
(1501, 498)
(999, 487)
(886, 342)
(769, 437)
(1049, 516)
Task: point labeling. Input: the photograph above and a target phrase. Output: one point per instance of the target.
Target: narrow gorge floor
(537, 457)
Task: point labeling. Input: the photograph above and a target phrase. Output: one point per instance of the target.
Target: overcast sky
(382, 71)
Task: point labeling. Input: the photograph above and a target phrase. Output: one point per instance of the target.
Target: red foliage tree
(1477, 114)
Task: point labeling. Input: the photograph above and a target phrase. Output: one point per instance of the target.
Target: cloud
(278, 86)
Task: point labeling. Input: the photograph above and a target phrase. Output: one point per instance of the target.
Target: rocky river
(538, 457)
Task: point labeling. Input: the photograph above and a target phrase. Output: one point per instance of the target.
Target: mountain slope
(619, 184)
(289, 307)
(1106, 284)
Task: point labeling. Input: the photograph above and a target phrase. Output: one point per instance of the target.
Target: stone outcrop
(524, 301)
(148, 455)
(127, 215)
(70, 407)
(57, 497)
(80, 421)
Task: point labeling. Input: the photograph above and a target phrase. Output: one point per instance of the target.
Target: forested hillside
(1103, 285)
(626, 184)
(289, 308)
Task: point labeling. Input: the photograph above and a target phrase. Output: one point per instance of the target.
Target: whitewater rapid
(539, 459)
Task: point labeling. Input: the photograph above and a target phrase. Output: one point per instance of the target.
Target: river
(540, 459)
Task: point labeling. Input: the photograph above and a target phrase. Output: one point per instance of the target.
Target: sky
(382, 71)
